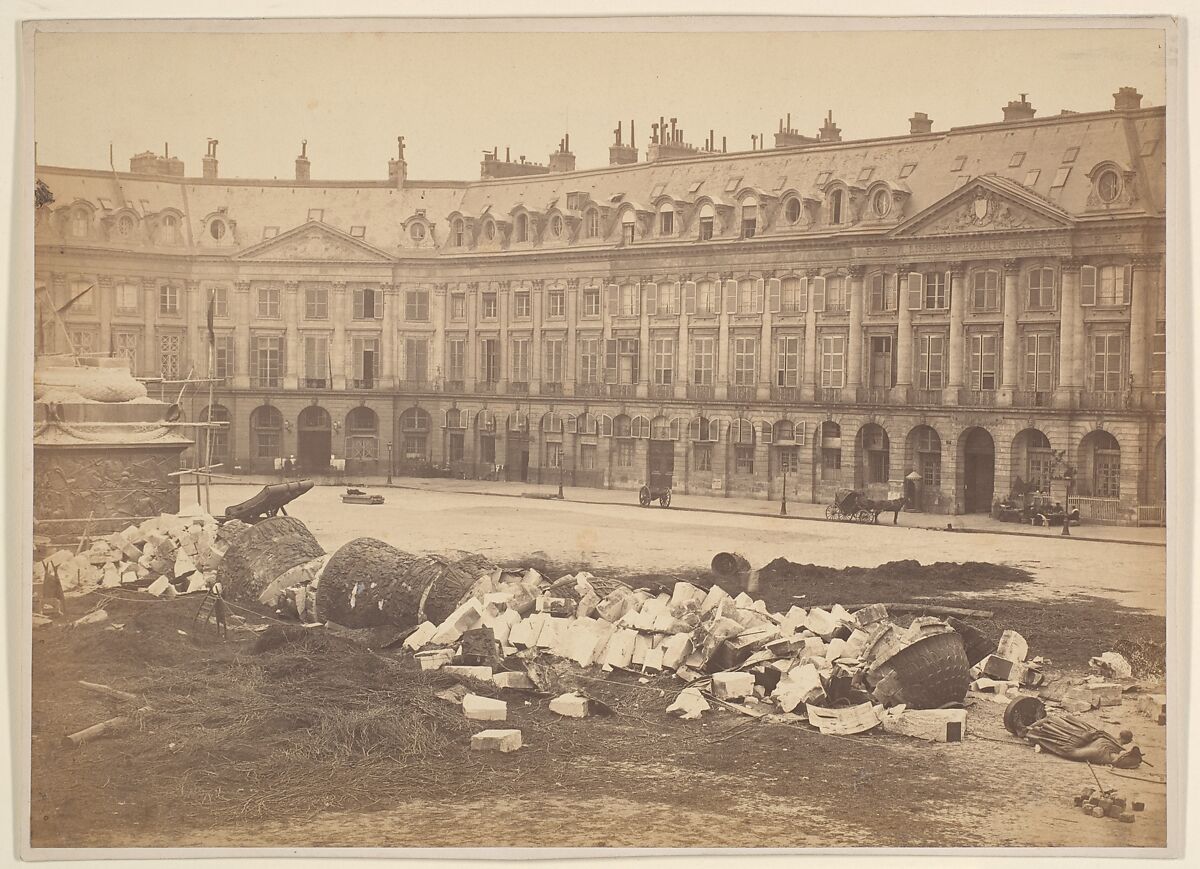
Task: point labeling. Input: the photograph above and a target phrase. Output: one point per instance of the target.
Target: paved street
(626, 538)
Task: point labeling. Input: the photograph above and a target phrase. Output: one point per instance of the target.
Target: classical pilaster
(472, 361)
(150, 360)
(536, 300)
(1139, 338)
(293, 364)
(388, 349)
(808, 391)
(502, 302)
(646, 359)
(684, 351)
(723, 348)
(104, 310)
(958, 336)
(854, 350)
(241, 334)
(570, 351)
(437, 313)
(1069, 315)
(764, 345)
(196, 316)
(1009, 352)
(337, 351)
(904, 332)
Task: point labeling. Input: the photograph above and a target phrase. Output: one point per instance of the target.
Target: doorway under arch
(978, 480)
(314, 439)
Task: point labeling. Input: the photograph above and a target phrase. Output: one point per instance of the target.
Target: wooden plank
(930, 609)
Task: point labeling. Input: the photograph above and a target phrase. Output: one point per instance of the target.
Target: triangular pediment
(315, 242)
(989, 203)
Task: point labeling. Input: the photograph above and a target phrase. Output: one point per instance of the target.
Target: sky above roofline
(454, 95)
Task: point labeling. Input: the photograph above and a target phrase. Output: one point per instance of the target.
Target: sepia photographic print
(603, 434)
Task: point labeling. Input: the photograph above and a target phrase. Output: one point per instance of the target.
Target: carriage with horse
(852, 505)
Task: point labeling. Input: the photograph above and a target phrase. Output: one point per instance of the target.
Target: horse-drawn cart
(848, 504)
(657, 488)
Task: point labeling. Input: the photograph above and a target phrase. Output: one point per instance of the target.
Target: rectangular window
(621, 360)
(666, 223)
(1106, 475)
(552, 358)
(743, 460)
(316, 361)
(268, 360)
(458, 306)
(628, 232)
(708, 297)
(126, 347)
(224, 357)
(787, 360)
(170, 356)
(456, 358)
(706, 228)
(487, 306)
(668, 298)
(1112, 285)
(749, 220)
(84, 342)
(746, 298)
(1039, 286)
(664, 361)
(316, 303)
(882, 374)
(1039, 362)
(702, 457)
(521, 305)
(589, 360)
(881, 293)
(489, 360)
(591, 301)
(1108, 357)
(587, 457)
(831, 463)
(168, 299)
(366, 361)
(1060, 177)
(416, 306)
(83, 292)
(416, 360)
(127, 297)
(835, 294)
(1040, 468)
(745, 361)
(630, 295)
(520, 360)
(833, 361)
(624, 453)
(554, 454)
(220, 301)
(556, 303)
(935, 291)
(794, 295)
(1158, 356)
(704, 360)
(985, 290)
(931, 361)
(983, 360)
(368, 303)
(268, 303)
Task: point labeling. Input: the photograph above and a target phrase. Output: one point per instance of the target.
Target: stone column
(645, 357)
(437, 353)
(957, 333)
(904, 333)
(150, 360)
(1009, 352)
(808, 389)
(683, 356)
(854, 348)
(196, 315)
(337, 348)
(387, 337)
(535, 339)
(1139, 297)
(763, 392)
(502, 299)
(723, 349)
(571, 351)
(241, 334)
(104, 310)
(291, 318)
(1069, 310)
(472, 357)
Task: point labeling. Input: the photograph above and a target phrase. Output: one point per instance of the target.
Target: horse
(893, 506)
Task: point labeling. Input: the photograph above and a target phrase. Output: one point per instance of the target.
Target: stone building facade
(984, 306)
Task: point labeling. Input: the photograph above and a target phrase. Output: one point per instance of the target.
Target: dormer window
(792, 209)
(881, 203)
(628, 229)
(80, 223)
(216, 229)
(458, 233)
(556, 226)
(522, 228)
(358, 232)
(417, 232)
(125, 226)
(706, 222)
(835, 207)
(666, 221)
(1108, 185)
(489, 230)
(593, 224)
(749, 217)
(170, 229)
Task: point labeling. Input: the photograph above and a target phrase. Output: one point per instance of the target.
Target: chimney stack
(1019, 110)
(563, 160)
(1127, 99)
(620, 154)
(829, 132)
(919, 123)
(398, 168)
(302, 164)
(208, 164)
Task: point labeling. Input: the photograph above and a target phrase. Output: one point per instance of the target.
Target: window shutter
(798, 433)
(818, 294)
(610, 360)
(731, 297)
(759, 295)
(1087, 285)
(606, 425)
(676, 428)
(613, 300)
(358, 303)
(569, 424)
(768, 432)
(694, 429)
(689, 297)
(802, 302)
(774, 295)
(651, 292)
(714, 430)
(378, 304)
(916, 290)
(1127, 288)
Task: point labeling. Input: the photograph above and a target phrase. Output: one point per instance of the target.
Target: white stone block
(483, 674)
(732, 686)
(463, 619)
(570, 705)
(421, 636)
(619, 652)
(496, 740)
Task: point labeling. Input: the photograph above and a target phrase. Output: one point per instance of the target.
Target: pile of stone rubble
(165, 555)
(841, 671)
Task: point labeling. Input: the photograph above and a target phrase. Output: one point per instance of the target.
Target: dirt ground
(298, 738)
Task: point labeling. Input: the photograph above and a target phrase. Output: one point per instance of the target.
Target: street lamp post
(1069, 477)
(389, 479)
(783, 501)
(562, 456)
